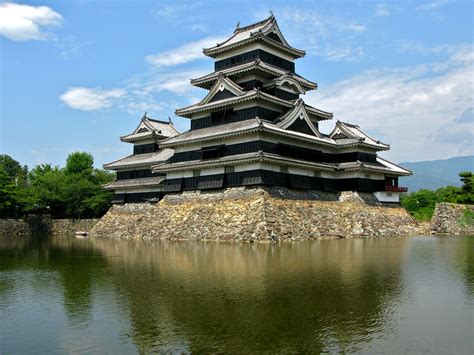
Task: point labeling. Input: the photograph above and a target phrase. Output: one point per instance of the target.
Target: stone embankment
(257, 214)
(44, 225)
(453, 218)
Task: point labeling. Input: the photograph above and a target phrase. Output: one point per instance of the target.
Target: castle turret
(135, 181)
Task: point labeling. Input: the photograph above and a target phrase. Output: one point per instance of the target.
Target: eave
(134, 183)
(214, 51)
(249, 95)
(207, 81)
(263, 127)
(259, 156)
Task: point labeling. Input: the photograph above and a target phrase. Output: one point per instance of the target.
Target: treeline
(421, 204)
(74, 191)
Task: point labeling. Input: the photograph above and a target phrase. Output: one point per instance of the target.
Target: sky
(77, 75)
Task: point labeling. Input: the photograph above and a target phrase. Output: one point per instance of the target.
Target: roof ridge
(348, 124)
(245, 28)
(159, 121)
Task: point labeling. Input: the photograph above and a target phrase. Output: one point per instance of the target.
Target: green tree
(13, 179)
(80, 163)
(7, 194)
(467, 187)
(84, 195)
(45, 193)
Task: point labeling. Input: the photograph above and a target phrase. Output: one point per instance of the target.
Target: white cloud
(356, 27)
(140, 92)
(382, 10)
(459, 132)
(174, 10)
(343, 54)
(176, 81)
(184, 54)
(407, 106)
(88, 99)
(433, 5)
(332, 37)
(25, 22)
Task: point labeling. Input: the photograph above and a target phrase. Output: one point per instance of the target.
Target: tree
(13, 179)
(80, 163)
(11, 167)
(467, 187)
(7, 194)
(45, 193)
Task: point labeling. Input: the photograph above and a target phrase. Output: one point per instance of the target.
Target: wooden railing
(395, 188)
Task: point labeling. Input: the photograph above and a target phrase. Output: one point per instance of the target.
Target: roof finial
(238, 25)
(271, 14)
(144, 115)
(169, 120)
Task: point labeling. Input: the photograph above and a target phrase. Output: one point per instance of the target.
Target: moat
(60, 295)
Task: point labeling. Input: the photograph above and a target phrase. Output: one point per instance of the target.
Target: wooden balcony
(395, 188)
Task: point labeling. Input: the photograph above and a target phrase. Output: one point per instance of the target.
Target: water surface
(386, 295)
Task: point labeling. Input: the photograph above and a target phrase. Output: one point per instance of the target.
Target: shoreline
(263, 215)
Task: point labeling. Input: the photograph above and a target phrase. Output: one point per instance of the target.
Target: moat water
(393, 295)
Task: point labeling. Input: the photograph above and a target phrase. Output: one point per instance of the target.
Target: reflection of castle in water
(296, 297)
(342, 295)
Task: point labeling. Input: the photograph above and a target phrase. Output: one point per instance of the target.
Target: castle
(253, 128)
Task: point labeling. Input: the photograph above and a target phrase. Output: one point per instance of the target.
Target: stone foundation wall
(257, 214)
(453, 218)
(43, 225)
(13, 227)
(70, 226)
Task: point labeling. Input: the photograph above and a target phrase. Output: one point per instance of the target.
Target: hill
(436, 173)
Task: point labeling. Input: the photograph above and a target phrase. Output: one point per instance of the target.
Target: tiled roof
(393, 167)
(299, 111)
(127, 183)
(149, 128)
(240, 158)
(255, 65)
(351, 131)
(256, 31)
(139, 160)
(254, 125)
(382, 166)
(248, 96)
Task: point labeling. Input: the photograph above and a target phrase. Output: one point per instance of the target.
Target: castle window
(213, 152)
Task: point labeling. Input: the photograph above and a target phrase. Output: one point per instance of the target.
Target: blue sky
(76, 75)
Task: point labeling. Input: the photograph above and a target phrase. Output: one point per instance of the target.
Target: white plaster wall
(212, 171)
(386, 196)
(246, 167)
(299, 171)
(179, 174)
(138, 190)
(360, 174)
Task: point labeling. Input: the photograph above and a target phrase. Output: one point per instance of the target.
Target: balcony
(395, 188)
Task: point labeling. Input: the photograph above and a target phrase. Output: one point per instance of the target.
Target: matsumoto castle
(252, 128)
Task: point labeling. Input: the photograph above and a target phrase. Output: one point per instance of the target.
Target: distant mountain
(436, 173)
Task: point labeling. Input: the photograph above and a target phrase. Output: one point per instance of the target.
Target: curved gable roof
(298, 113)
(257, 31)
(149, 127)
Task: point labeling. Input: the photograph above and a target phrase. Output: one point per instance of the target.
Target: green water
(394, 295)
